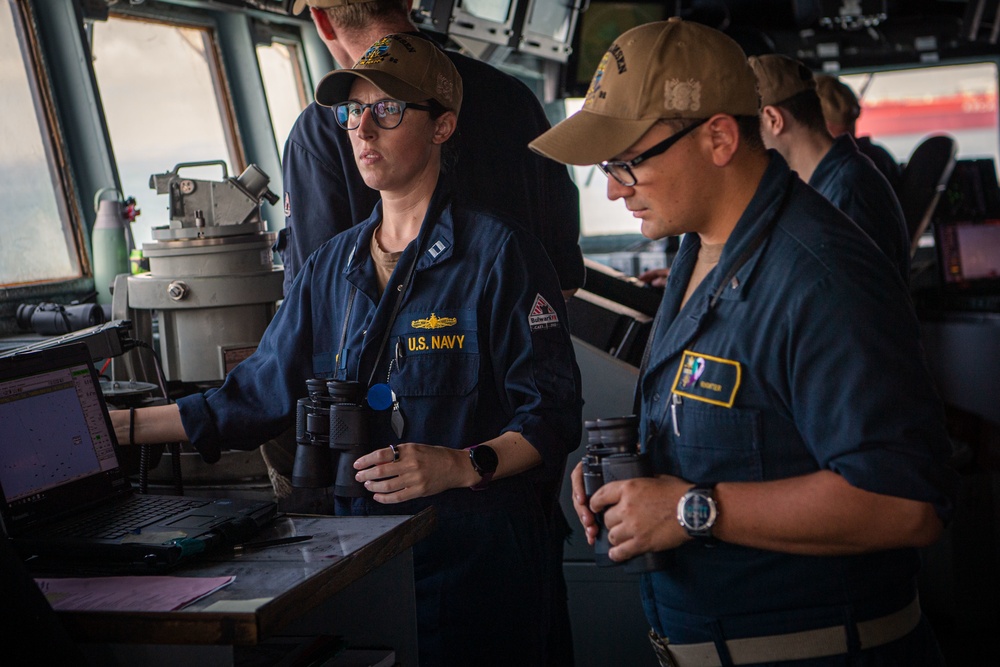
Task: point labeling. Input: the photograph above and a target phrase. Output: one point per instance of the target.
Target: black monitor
(598, 26)
(492, 21)
(972, 193)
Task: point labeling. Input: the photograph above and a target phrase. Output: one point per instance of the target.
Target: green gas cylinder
(109, 243)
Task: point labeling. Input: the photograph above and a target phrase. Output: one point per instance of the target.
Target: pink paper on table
(127, 593)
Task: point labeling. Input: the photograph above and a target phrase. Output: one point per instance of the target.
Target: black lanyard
(400, 291)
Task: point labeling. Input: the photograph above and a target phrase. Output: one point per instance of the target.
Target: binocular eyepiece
(54, 319)
(613, 455)
(331, 433)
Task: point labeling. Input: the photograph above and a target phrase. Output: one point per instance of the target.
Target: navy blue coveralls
(852, 182)
(480, 347)
(810, 360)
(882, 159)
(494, 171)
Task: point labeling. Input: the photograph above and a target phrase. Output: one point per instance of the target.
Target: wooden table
(354, 579)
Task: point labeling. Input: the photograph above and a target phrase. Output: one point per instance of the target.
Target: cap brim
(335, 87)
(589, 138)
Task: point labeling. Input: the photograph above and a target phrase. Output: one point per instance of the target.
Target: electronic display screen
(488, 10)
(600, 25)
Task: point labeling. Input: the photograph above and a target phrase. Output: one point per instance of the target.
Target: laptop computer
(64, 497)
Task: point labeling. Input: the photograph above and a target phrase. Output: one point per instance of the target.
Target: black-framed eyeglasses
(621, 170)
(387, 114)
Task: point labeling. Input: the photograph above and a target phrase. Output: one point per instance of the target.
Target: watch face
(699, 512)
(484, 459)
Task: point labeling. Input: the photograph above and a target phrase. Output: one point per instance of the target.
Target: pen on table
(246, 546)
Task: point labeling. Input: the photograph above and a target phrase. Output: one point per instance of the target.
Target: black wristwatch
(484, 461)
(697, 511)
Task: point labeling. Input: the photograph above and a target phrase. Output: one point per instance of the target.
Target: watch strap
(485, 475)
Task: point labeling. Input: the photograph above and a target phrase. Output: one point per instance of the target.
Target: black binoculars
(613, 455)
(331, 433)
(54, 319)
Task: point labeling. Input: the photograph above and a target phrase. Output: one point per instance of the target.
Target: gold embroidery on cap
(445, 89)
(375, 54)
(595, 83)
(682, 95)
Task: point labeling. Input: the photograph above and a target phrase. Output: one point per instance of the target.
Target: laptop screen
(58, 451)
(969, 252)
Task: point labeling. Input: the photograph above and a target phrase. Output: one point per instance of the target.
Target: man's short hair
(356, 14)
(780, 77)
(749, 129)
(359, 15)
(806, 109)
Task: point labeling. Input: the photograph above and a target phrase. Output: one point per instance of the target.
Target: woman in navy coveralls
(478, 352)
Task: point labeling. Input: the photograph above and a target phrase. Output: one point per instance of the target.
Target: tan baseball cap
(322, 4)
(780, 77)
(840, 104)
(407, 67)
(668, 69)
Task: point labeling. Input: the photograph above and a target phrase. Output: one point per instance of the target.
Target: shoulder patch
(288, 205)
(542, 315)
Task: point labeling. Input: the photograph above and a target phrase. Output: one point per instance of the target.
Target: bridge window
(39, 240)
(610, 235)
(284, 85)
(162, 92)
(901, 108)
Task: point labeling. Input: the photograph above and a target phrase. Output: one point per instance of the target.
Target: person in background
(841, 110)
(798, 444)
(325, 194)
(792, 123)
(455, 315)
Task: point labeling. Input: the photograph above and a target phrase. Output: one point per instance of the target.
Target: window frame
(204, 22)
(54, 147)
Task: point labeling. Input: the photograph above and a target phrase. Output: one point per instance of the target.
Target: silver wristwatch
(697, 511)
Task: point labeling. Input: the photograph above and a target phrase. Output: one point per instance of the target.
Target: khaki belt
(793, 646)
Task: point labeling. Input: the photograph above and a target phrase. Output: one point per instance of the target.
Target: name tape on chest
(710, 379)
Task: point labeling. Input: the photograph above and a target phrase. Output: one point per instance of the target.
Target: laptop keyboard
(118, 521)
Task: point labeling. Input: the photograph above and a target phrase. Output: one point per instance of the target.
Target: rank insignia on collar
(434, 322)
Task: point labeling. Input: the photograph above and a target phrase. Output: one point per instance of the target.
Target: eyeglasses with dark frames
(621, 170)
(387, 114)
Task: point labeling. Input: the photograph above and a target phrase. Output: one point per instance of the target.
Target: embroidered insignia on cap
(543, 315)
(682, 95)
(376, 53)
(288, 205)
(434, 322)
(445, 89)
(595, 83)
